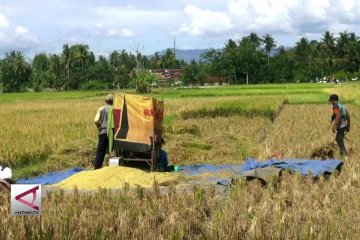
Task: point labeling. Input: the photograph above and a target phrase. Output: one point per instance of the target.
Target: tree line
(77, 68)
(259, 60)
(251, 59)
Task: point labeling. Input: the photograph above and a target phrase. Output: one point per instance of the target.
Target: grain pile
(115, 177)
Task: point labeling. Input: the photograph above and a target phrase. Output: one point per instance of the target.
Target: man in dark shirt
(101, 121)
(340, 122)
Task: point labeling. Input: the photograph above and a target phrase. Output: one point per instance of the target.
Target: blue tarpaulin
(198, 169)
(50, 178)
(303, 166)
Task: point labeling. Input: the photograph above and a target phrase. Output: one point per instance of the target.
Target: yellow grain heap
(115, 177)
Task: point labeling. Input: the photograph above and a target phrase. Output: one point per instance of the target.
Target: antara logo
(25, 199)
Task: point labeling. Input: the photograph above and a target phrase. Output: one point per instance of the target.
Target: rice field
(215, 125)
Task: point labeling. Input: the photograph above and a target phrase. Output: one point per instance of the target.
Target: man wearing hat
(102, 123)
(340, 122)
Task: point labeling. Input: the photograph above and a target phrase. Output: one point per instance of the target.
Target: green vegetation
(48, 96)
(251, 59)
(142, 80)
(247, 106)
(44, 132)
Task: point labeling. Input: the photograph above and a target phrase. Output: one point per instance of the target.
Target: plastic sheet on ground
(198, 169)
(271, 168)
(211, 174)
(302, 166)
(264, 170)
(116, 177)
(50, 178)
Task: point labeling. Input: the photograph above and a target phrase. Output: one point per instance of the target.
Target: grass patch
(180, 128)
(30, 169)
(249, 107)
(49, 96)
(74, 155)
(26, 158)
(170, 118)
(226, 111)
(199, 146)
(241, 90)
(311, 98)
(347, 92)
(246, 92)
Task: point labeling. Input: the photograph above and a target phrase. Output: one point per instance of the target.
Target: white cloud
(19, 30)
(295, 17)
(262, 16)
(136, 16)
(14, 37)
(318, 9)
(115, 33)
(4, 23)
(205, 22)
(119, 33)
(126, 33)
(106, 25)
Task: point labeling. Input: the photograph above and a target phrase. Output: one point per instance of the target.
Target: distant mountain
(187, 54)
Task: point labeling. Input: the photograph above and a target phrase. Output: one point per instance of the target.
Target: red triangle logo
(30, 204)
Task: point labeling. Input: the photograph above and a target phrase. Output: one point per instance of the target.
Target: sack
(5, 173)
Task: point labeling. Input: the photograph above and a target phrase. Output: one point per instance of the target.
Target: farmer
(102, 123)
(340, 122)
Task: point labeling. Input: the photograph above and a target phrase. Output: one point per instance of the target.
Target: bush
(94, 85)
(142, 80)
(342, 76)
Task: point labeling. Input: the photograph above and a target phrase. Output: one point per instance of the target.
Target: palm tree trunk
(268, 66)
(82, 67)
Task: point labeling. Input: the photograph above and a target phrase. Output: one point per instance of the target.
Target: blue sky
(34, 26)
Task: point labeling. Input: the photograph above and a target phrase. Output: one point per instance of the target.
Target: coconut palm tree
(168, 59)
(156, 60)
(255, 40)
(14, 72)
(303, 56)
(328, 51)
(281, 50)
(342, 44)
(83, 53)
(269, 44)
(55, 68)
(67, 59)
(20, 66)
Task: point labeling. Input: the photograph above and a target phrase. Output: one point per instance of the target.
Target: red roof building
(164, 75)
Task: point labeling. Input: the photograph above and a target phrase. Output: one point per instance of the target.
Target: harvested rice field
(223, 125)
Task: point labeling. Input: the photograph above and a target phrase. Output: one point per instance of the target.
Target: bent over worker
(340, 122)
(103, 115)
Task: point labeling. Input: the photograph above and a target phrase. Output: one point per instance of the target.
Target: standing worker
(103, 121)
(340, 122)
